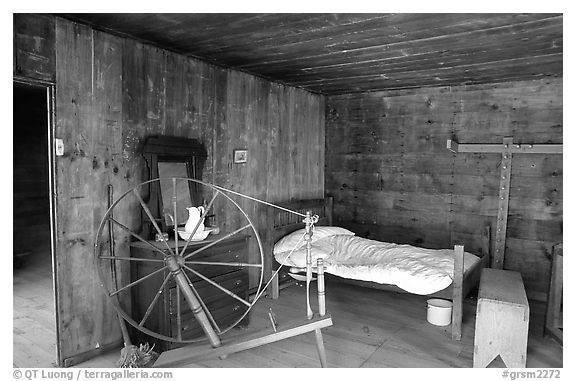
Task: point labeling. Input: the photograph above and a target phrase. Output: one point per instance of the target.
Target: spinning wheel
(176, 263)
(177, 260)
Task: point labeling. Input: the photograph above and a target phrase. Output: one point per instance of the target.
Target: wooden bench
(502, 319)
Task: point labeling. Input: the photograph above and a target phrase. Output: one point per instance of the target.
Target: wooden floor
(34, 319)
(372, 329)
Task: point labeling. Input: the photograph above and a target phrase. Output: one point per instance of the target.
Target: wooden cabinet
(171, 315)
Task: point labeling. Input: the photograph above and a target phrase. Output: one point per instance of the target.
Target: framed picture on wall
(240, 156)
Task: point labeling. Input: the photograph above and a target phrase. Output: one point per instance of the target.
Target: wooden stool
(502, 319)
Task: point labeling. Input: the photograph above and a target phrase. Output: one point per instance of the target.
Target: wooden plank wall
(393, 178)
(112, 93)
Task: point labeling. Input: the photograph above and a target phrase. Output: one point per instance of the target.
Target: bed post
(321, 312)
(457, 293)
(321, 287)
(273, 291)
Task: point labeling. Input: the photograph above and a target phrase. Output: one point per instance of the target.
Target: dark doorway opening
(34, 320)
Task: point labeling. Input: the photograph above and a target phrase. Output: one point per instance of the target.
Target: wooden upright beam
(457, 293)
(507, 149)
(503, 199)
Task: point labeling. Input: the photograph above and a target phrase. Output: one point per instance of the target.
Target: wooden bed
(282, 223)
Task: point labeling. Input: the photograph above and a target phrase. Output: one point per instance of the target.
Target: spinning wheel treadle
(175, 263)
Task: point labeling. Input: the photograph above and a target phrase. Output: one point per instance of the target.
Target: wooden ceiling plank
(438, 57)
(473, 38)
(523, 63)
(271, 26)
(336, 53)
(480, 75)
(416, 62)
(286, 26)
(505, 91)
(432, 54)
(395, 30)
(317, 30)
(357, 36)
(423, 82)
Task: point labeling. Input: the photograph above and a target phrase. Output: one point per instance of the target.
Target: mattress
(413, 269)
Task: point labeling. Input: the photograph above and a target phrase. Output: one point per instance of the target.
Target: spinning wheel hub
(174, 263)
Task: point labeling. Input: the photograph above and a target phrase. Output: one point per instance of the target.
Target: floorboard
(372, 329)
(34, 320)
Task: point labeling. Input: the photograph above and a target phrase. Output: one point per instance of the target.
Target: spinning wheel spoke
(201, 220)
(153, 303)
(231, 264)
(151, 217)
(224, 290)
(204, 307)
(137, 236)
(138, 281)
(217, 241)
(130, 259)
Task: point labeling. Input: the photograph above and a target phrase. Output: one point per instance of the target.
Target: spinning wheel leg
(320, 346)
(195, 305)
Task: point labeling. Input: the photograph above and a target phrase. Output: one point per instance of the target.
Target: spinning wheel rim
(100, 260)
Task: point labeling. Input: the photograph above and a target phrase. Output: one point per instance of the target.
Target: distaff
(310, 221)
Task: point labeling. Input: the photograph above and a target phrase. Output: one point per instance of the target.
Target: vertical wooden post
(321, 312)
(503, 198)
(274, 289)
(457, 292)
(321, 292)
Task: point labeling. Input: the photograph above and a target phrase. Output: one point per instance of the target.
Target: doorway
(34, 313)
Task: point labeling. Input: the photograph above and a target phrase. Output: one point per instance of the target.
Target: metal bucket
(439, 311)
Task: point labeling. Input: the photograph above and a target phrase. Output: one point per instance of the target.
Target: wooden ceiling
(344, 53)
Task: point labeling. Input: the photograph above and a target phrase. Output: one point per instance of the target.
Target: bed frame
(282, 223)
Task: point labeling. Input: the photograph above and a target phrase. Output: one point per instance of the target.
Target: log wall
(393, 178)
(111, 93)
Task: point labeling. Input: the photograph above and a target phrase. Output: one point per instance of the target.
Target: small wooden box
(502, 318)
